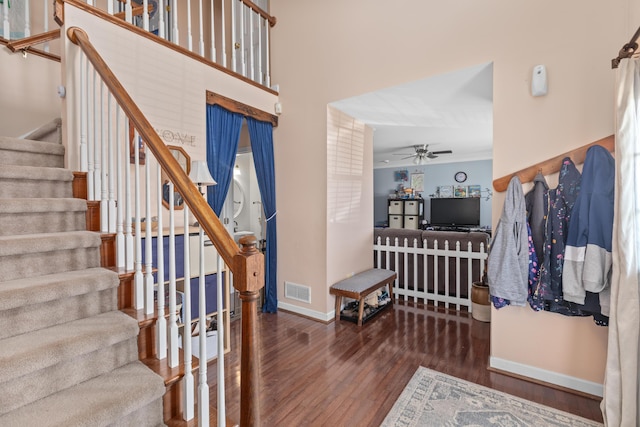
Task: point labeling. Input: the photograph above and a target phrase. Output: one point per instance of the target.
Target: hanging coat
(508, 264)
(587, 265)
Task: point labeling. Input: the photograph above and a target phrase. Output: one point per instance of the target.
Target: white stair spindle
(161, 322)
(243, 56)
(200, 29)
(203, 387)
(104, 194)
(148, 253)
(174, 21)
(27, 19)
(220, 309)
(252, 59)
(97, 147)
(223, 35)
(234, 36)
(267, 77)
(128, 12)
(120, 247)
(161, 24)
(84, 167)
(128, 229)
(189, 31)
(260, 77)
(91, 125)
(188, 381)
(110, 7)
(173, 323)
(138, 278)
(145, 15)
(6, 29)
(112, 173)
(46, 23)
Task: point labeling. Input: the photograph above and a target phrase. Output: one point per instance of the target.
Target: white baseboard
(323, 317)
(551, 377)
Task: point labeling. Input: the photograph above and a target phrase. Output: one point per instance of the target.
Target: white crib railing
(432, 274)
(247, 23)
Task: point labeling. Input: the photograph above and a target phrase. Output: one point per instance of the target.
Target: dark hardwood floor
(340, 374)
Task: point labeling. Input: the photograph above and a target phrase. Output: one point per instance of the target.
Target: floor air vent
(297, 292)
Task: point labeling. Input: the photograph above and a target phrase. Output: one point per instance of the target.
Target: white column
(261, 22)
(128, 12)
(201, 30)
(84, 167)
(91, 125)
(188, 381)
(173, 324)
(161, 322)
(189, 32)
(252, 58)
(213, 31)
(203, 387)
(243, 59)
(128, 230)
(138, 277)
(120, 246)
(267, 77)
(174, 21)
(234, 36)
(221, 402)
(111, 202)
(161, 24)
(223, 35)
(145, 15)
(104, 195)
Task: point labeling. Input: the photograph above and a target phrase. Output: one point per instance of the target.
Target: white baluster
(128, 12)
(200, 30)
(84, 167)
(234, 36)
(104, 204)
(111, 203)
(267, 77)
(260, 78)
(161, 323)
(110, 7)
(174, 22)
(97, 147)
(148, 254)
(27, 19)
(173, 324)
(6, 29)
(213, 31)
(120, 247)
(145, 15)
(221, 402)
(46, 23)
(161, 24)
(243, 41)
(138, 278)
(251, 58)
(203, 387)
(91, 125)
(188, 381)
(223, 34)
(189, 33)
(128, 230)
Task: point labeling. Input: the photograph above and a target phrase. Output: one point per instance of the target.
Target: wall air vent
(297, 292)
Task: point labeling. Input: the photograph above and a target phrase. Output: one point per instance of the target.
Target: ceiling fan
(422, 154)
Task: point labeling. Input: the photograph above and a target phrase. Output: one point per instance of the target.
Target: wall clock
(460, 176)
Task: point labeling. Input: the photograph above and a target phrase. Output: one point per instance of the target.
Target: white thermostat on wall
(539, 81)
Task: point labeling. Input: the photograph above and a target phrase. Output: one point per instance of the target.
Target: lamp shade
(200, 173)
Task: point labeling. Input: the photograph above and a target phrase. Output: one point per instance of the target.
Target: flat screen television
(455, 212)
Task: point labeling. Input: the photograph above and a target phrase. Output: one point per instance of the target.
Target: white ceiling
(452, 111)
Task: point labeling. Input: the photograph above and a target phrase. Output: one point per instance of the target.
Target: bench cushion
(361, 282)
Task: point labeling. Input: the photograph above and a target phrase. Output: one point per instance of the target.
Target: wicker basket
(480, 302)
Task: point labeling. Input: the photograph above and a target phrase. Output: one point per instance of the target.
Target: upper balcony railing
(233, 34)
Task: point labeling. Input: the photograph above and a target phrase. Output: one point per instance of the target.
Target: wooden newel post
(248, 280)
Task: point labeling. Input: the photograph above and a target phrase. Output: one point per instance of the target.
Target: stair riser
(41, 222)
(36, 385)
(147, 416)
(37, 316)
(37, 264)
(20, 158)
(20, 188)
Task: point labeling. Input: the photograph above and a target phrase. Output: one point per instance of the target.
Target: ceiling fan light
(417, 160)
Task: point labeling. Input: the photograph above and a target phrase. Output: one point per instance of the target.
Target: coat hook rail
(553, 165)
(627, 50)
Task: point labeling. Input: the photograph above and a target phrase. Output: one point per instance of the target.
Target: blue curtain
(223, 134)
(261, 135)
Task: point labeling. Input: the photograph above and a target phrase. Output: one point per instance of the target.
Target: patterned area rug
(435, 399)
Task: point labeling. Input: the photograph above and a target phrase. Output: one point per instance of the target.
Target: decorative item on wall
(474, 191)
(460, 176)
(417, 181)
(401, 175)
(445, 191)
(135, 145)
(460, 191)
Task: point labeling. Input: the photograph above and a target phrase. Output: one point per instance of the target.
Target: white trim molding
(323, 317)
(551, 377)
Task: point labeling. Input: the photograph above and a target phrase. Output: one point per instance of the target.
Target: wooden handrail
(554, 164)
(272, 19)
(247, 264)
(134, 11)
(28, 42)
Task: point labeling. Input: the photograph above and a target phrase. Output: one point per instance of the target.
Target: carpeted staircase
(68, 357)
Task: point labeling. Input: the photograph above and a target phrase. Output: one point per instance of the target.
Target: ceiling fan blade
(442, 152)
(432, 156)
(408, 157)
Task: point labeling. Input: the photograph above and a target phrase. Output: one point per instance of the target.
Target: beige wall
(327, 51)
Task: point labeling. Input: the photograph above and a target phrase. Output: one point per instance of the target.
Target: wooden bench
(360, 285)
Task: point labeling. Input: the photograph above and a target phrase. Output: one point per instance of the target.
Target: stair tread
(36, 173)
(36, 204)
(30, 146)
(47, 242)
(50, 287)
(43, 348)
(98, 401)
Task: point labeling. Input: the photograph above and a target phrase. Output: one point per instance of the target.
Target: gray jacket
(508, 268)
